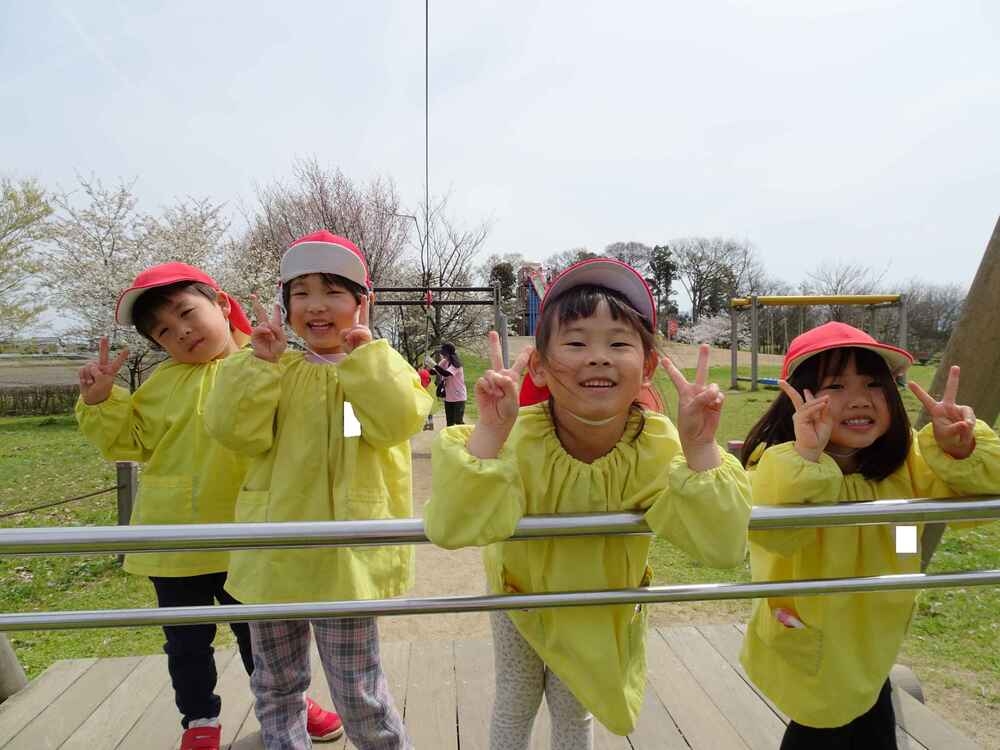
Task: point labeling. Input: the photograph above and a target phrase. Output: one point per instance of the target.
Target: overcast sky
(819, 131)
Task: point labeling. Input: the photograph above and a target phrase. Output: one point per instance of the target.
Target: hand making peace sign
(812, 421)
(267, 337)
(699, 406)
(954, 424)
(497, 390)
(358, 334)
(98, 378)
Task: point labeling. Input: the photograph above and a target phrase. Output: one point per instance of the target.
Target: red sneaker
(201, 738)
(322, 725)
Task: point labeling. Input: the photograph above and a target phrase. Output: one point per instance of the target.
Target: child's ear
(536, 370)
(222, 300)
(649, 366)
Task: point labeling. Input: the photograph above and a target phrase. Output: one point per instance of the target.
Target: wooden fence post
(12, 677)
(128, 486)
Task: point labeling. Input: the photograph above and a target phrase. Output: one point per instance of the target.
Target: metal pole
(500, 324)
(733, 346)
(904, 325)
(104, 539)
(488, 603)
(128, 487)
(754, 341)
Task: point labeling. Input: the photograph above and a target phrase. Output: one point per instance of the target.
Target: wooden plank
(22, 707)
(752, 719)
(60, 719)
(699, 720)
(605, 739)
(474, 677)
(112, 720)
(234, 689)
(395, 657)
(160, 720)
(430, 696)
(926, 727)
(655, 729)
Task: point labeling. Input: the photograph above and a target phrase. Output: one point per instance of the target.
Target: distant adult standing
(455, 395)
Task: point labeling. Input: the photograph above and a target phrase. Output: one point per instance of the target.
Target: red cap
(324, 252)
(834, 335)
(617, 276)
(172, 273)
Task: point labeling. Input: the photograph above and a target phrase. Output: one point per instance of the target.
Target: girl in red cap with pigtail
(187, 477)
(839, 432)
(585, 444)
(326, 432)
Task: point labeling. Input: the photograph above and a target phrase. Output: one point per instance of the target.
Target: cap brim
(609, 273)
(898, 360)
(126, 301)
(322, 257)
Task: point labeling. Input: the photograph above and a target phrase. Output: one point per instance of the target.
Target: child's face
(858, 407)
(194, 329)
(318, 311)
(594, 367)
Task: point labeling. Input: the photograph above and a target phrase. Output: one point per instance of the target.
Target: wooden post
(975, 345)
(128, 487)
(12, 677)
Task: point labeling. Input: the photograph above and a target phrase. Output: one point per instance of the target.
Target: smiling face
(858, 407)
(192, 328)
(319, 309)
(594, 366)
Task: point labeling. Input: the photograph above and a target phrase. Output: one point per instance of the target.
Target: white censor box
(906, 540)
(352, 427)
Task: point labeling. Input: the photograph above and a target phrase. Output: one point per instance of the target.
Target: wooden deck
(697, 698)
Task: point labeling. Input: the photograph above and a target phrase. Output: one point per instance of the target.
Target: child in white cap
(326, 432)
(586, 445)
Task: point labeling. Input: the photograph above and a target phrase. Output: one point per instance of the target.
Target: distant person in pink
(455, 395)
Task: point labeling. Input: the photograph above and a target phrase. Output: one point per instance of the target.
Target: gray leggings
(521, 678)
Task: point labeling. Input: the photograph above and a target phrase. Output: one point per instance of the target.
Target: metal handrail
(228, 536)
(465, 604)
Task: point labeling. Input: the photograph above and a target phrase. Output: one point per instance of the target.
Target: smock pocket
(251, 506)
(164, 499)
(367, 504)
(801, 648)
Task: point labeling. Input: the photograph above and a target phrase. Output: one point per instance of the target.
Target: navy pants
(873, 730)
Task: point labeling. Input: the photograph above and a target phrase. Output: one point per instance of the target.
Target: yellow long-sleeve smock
(831, 671)
(187, 478)
(288, 418)
(598, 652)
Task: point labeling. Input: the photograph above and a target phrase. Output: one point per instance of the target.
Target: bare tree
(835, 279)
(636, 254)
(562, 260)
(24, 211)
(713, 269)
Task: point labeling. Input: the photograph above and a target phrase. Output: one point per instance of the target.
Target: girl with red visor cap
(187, 476)
(839, 432)
(326, 432)
(587, 446)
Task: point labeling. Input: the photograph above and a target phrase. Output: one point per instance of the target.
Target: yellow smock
(831, 671)
(598, 652)
(187, 476)
(288, 418)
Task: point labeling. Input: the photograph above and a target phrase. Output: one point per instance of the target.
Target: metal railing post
(128, 487)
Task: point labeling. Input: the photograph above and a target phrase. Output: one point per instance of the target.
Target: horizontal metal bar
(129, 539)
(463, 604)
(821, 299)
(433, 289)
(434, 303)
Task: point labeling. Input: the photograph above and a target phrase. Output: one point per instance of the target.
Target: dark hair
(878, 460)
(333, 279)
(580, 302)
(449, 353)
(149, 304)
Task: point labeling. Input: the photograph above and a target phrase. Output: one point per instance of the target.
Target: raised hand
(268, 337)
(358, 334)
(954, 424)
(98, 378)
(496, 395)
(699, 406)
(812, 421)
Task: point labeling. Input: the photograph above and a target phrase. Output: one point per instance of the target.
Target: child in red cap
(188, 477)
(839, 432)
(326, 431)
